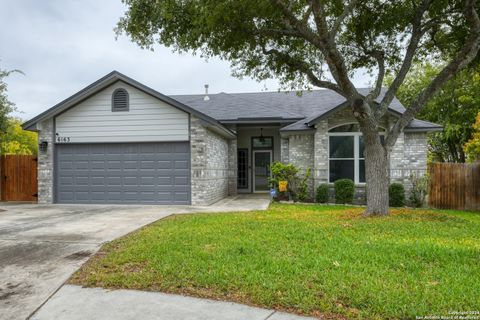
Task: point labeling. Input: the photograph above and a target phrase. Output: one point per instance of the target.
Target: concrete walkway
(77, 303)
(42, 245)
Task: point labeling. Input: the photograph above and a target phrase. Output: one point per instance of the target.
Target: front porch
(257, 147)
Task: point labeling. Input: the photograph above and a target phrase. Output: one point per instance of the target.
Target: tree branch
(379, 55)
(322, 41)
(466, 55)
(303, 68)
(307, 15)
(300, 26)
(278, 32)
(417, 34)
(347, 10)
(333, 57)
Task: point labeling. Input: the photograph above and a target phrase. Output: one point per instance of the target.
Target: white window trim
(356, 152)
(356, 158)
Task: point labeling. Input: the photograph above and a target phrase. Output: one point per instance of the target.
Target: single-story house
(119, 141)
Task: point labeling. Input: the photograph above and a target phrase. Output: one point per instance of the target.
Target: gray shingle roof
(290, 107)
(285, 104)
(300, 108)
(417, 124)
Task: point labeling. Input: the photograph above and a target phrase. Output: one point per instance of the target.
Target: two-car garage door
(156, 173)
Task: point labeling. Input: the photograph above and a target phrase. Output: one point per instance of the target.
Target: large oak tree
(321, 43)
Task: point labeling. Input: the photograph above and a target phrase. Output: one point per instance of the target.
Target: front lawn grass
(310, 259)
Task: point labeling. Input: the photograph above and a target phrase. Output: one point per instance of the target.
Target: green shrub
(344, 191)
(321, 195)
(396, 193)
(419, 190)
(301, 187)
(297, 184)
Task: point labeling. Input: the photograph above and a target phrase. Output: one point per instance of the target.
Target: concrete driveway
(42, 245)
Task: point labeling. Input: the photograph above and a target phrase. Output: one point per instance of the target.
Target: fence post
(2, 177)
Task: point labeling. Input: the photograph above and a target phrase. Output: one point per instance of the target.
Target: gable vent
(120, 100)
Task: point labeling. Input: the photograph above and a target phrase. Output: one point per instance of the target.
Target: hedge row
(345, 191)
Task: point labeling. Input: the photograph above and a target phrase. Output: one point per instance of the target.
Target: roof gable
(105, 82)
(307, 124)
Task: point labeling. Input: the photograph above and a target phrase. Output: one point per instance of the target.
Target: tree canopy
(6, 106)
(15, 140)
(313, 43)
(318, 43)
(455, 107)
(472, 147)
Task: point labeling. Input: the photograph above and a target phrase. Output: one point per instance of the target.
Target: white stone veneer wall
(300, 147)
(45, 163)
(409, 154)
(210, 164)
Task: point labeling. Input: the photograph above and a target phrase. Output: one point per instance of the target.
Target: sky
(62, 46)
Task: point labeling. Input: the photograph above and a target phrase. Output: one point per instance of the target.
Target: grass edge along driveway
(310, 259)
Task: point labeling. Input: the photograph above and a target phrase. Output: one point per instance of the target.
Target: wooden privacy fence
(454, 186)
(18, 178)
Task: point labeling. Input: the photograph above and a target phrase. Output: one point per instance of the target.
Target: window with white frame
(346, 153)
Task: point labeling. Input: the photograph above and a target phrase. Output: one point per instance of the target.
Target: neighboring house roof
(110, 79)
(301, 110)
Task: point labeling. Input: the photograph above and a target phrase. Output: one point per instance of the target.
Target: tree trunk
(376, 159)
(376, 171)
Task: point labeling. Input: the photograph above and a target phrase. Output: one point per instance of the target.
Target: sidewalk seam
(270, 315)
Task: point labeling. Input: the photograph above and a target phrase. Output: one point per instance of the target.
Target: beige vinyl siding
(147, 120)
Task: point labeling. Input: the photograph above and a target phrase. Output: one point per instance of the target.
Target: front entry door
(261, 170)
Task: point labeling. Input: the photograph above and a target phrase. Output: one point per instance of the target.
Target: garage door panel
(113, 164)
(114, 196)
(123, 173)
(179, 196)
(130, 181)
(81, 164)
(147, 164)
(114, 181)
(100, 196)
(150, 148)
(81, 195)
(163, 164)
(181, 164)
(183, 173)
(81, 181)
(147, 189)
(115, 189)
(181, 189)
(182, 148)
(97, 181)
(67, 195)
(146, 172)
(181, 181)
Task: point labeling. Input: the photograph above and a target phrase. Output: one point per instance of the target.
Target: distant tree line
(455, 107)
(13, 140)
